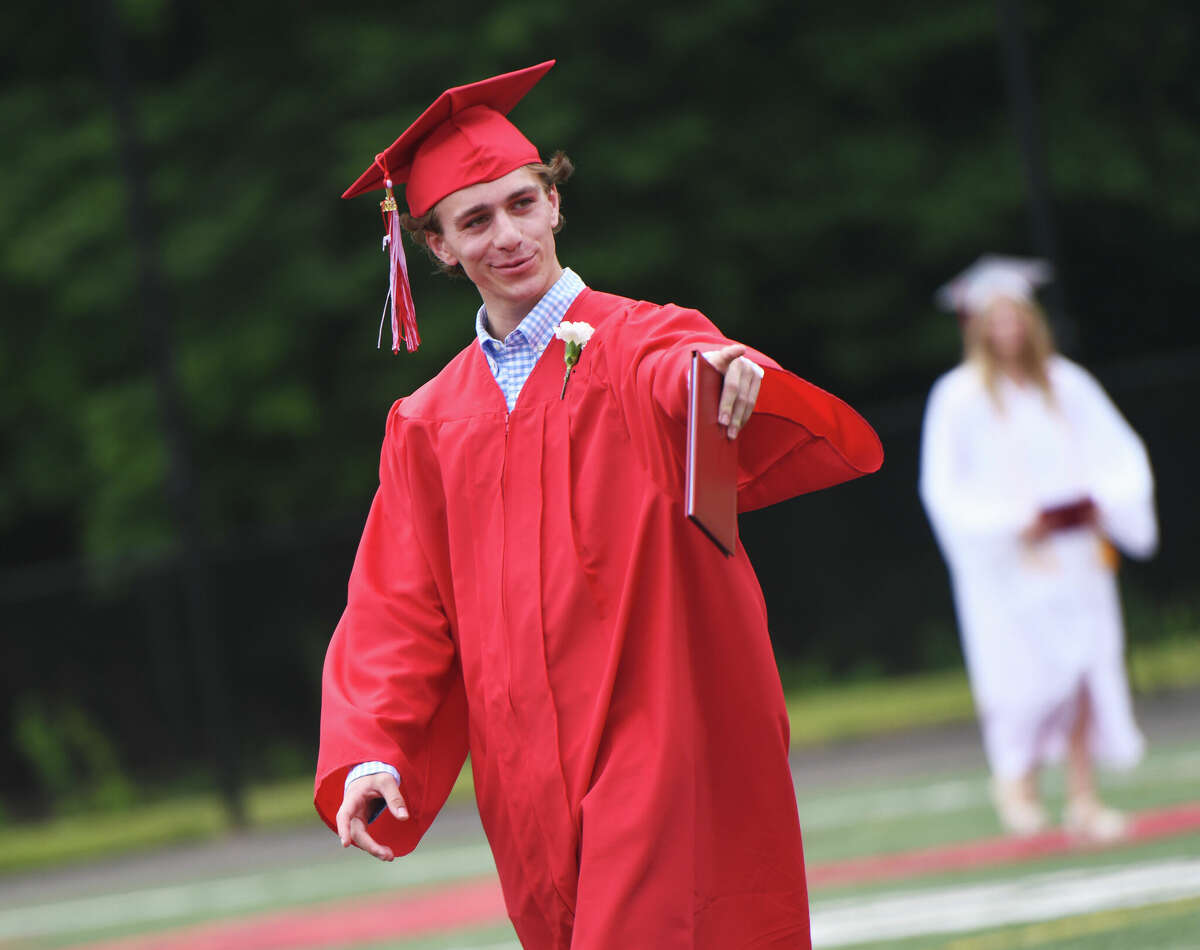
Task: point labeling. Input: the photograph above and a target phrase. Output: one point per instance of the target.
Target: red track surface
(338, 924)
(478, 903)
(989, 852)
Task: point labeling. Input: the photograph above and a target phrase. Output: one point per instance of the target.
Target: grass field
(819, 715)
(1135, 896)
(164, 877)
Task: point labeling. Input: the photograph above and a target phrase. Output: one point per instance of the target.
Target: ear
(552, 197)
(437, 244)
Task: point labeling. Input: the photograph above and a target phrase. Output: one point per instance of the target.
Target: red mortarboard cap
(462, 139)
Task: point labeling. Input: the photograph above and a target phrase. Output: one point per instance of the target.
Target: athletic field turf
(906, 858)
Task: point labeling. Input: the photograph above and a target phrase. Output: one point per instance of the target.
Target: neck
(504, 314)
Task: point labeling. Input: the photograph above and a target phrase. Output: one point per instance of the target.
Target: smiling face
(1007, 329)
(502, 234)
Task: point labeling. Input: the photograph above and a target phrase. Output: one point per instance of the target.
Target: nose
(506, 236)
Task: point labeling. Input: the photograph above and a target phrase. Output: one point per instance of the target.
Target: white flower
(574, 332)
(575, 335)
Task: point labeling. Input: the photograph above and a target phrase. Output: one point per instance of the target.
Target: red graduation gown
(528, 588)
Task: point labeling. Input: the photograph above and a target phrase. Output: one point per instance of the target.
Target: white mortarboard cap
(992, 276)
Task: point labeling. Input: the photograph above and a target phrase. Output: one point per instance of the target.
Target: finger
(748, 395)
(737, 417)
(747, 378)
(720, 359)
(755, 385)
(395, 802)
(362, 839)
(742, 405)
(343, 825)
(729, 394)
(734, 380)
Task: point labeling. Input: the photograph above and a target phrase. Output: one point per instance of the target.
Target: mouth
(514, 266)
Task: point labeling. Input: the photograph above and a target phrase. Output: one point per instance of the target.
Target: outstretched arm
(799, 438)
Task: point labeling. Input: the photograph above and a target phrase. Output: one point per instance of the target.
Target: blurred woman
(1029, 475)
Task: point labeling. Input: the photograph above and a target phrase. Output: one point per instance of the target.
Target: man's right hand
(357, 804)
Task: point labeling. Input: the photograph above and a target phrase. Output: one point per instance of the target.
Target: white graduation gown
(1037, 622)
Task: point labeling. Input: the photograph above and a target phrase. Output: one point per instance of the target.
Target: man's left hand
(740, 392)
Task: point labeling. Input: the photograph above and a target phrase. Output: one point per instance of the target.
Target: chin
(534, 283)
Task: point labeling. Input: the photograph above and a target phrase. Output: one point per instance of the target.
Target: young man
(529, 589)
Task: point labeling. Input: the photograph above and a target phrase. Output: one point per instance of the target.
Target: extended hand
(1035, 532)
(357, 804)
(740, 392)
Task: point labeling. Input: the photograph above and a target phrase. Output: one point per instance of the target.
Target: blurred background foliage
(805, 174)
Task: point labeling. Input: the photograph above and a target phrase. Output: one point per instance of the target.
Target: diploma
(1073, 514)
(711, 491)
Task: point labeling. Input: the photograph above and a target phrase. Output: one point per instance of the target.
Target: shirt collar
(538, 326)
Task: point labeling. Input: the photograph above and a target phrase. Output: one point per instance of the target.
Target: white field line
(328, 880)
(957, 795)
(244, 893)
(974, 907)
(890, 804)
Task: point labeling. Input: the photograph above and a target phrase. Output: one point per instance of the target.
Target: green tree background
(805, 174)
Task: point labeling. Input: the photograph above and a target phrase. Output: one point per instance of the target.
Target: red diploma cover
(1073, 514)
(712, 461)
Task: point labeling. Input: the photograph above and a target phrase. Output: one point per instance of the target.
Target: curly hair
(553, 174)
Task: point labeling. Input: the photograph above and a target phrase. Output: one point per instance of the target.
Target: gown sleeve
(963, 517)
(392, 688)
(1121, 480)
(799, 439)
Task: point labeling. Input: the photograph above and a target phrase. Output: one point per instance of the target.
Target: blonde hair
(1033, 359)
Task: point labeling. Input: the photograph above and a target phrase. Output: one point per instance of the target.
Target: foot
(1020, 813)
(1092, 819)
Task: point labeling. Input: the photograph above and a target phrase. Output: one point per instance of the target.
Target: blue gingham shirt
(511, 360)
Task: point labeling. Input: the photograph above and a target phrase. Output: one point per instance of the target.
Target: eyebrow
(465, 216)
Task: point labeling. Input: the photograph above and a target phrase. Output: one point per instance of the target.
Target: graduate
(1030, 476)
(528, 587)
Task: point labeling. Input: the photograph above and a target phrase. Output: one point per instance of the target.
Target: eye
(522, 203)
(475, 222)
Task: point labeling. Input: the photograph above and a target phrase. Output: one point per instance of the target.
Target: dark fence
(854, 580)
(103, 671)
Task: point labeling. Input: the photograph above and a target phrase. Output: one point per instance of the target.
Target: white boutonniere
(575, 335)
